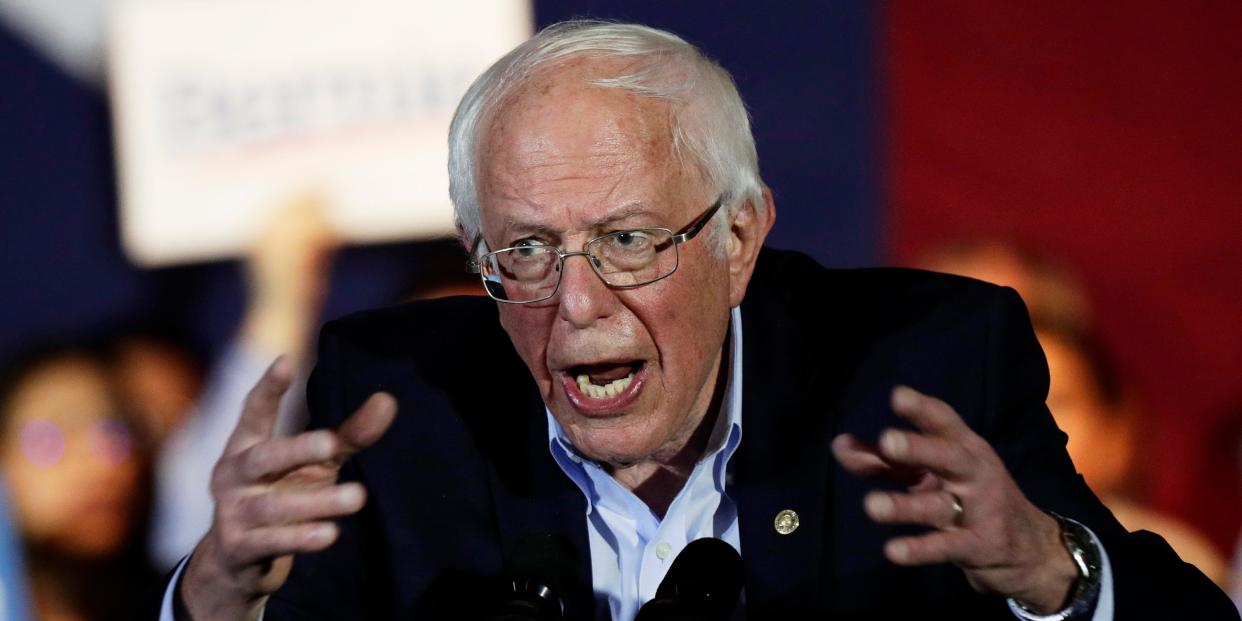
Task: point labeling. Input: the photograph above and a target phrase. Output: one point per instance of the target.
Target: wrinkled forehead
(559, 143)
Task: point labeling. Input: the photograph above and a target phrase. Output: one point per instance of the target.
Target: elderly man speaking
(647, 374)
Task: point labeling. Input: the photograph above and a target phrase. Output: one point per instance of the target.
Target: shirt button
(662, 550)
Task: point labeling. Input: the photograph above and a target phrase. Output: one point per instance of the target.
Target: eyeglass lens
(622, 259)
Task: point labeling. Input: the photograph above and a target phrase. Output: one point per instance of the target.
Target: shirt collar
(723, 442)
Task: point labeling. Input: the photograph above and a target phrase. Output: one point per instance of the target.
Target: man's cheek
(531, 346)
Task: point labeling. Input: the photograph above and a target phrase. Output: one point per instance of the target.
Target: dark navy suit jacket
(464, 473)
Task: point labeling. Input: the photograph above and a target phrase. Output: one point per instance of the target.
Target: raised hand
(957, 485)
(274, 497)
(287, 271)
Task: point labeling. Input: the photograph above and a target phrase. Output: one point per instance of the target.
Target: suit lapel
(783, 462)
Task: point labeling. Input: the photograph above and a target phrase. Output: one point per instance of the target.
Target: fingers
(258, 416)
(865, 460)
(947, 458)
(291, 506)
(260, 544)
(278, 522)
(275, 457)
(935, 509)
(272, 459)
(858, 457)
(929, 414)
(901, 455)
(936, 547)
(366, 425)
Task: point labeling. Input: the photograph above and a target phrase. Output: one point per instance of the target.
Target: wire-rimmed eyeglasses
(623, 260)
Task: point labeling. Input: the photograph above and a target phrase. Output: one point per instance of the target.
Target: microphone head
(541, 570)
(546, 557)
(706, 577)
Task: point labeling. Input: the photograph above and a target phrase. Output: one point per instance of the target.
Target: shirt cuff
(168, 609)
(1104, 601)
(173, 608)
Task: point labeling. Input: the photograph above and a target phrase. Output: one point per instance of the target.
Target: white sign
(227, 110)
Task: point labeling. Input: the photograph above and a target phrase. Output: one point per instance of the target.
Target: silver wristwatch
(1085, 550)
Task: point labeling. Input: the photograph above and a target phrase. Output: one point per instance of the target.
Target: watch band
(1084, 549)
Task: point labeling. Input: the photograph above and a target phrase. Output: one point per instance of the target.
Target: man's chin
(617, 440)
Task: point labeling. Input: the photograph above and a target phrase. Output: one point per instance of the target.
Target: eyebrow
(627, 211)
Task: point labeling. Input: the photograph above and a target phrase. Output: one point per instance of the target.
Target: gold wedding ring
(959, 512)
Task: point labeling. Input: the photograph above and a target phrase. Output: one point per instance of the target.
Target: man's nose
(584, 297)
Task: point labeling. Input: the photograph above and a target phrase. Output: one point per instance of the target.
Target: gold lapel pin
(786, 521)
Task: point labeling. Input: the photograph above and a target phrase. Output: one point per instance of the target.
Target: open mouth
(606, 386)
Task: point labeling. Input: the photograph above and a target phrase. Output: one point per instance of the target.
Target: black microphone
(702, 585)
(540, 572)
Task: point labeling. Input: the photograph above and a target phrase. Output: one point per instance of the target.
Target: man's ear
(748, 228)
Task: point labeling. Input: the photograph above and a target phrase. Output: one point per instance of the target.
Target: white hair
(710, 125)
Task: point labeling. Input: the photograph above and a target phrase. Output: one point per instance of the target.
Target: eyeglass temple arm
(693, 229)
(472, 262)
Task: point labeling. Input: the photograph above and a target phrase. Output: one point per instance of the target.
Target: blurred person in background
(288, 272)
(1051, 291)
(77, 474)
(1087, 399)
(159, 379)
(1095, 411)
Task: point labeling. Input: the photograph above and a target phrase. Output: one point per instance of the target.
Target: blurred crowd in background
(109, 431)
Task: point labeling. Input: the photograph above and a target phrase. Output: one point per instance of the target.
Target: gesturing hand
(274, 497)
(958, 485)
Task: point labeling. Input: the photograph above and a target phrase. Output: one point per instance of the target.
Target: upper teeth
(611, 389)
